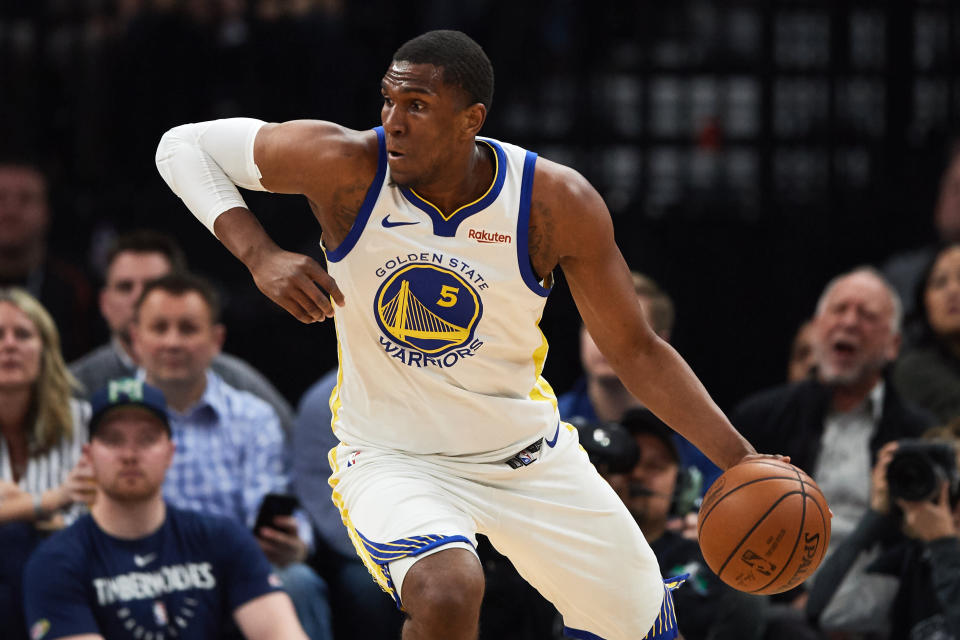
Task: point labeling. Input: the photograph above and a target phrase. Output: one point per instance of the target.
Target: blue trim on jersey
(371, 199)
(523, 227)
(447, 227)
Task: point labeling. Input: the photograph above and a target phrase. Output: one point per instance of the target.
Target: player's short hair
(180, 284)
(465, 65)
(148, 241)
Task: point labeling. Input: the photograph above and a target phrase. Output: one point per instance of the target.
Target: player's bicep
(597, 274)
(310, 156)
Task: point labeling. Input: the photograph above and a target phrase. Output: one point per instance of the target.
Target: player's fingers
(292, 303)
(326, 282)
(319, 305)
(310, 307)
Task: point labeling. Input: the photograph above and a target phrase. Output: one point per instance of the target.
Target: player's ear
(473, 118)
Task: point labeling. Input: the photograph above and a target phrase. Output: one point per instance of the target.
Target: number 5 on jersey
(448, 296)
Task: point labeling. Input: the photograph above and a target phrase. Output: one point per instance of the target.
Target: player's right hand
(297, 283)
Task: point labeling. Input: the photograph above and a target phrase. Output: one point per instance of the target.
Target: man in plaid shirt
(229, 444)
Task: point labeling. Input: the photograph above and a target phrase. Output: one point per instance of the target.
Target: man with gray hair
(833, 424)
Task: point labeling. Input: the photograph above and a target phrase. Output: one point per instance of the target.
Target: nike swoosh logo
(386, 222)
(556, 436)
(142, 561)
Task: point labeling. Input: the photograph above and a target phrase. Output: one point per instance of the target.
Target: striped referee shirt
(48, 470)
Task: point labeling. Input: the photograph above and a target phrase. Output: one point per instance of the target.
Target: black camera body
(920, 467)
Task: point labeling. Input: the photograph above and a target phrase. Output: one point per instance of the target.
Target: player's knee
(444, 589)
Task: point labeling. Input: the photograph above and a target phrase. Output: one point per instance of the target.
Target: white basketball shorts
(546, 509)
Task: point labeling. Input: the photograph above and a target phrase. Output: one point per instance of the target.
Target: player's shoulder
(553, 179)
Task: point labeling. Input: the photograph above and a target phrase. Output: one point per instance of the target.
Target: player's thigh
(397, 511)
(574, 540)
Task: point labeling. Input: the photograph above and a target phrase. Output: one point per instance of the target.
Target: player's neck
(465, 179)
(610, 399)
(129, 520)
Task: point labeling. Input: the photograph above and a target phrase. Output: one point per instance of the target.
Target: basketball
(764, 526)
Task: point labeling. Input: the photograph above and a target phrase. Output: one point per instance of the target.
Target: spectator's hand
(685, 526)
(879, 491)
(291, 279)
(281, 543)
(927, 520)
(78, 487)
(9, 490)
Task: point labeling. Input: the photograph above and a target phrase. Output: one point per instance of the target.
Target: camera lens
(911, 476)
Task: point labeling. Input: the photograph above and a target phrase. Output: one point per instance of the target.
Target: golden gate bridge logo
(428, 308)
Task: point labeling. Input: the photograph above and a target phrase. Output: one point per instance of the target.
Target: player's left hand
(281, 543)
(928, 521)
(762, 456)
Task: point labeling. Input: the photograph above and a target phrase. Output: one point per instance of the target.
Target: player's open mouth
(394, 154)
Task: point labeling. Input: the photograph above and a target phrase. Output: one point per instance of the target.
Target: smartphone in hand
(274, 504)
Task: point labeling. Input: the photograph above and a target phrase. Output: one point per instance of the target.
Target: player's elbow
(171, 143)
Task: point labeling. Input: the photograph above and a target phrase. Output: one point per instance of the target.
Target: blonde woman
(42, 428)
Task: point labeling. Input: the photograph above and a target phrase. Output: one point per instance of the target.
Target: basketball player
(440, 247)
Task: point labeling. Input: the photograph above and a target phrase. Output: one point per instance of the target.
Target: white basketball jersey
(439, 344)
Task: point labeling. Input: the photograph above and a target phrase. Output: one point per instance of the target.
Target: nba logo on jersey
(160, 613)
(430, 311)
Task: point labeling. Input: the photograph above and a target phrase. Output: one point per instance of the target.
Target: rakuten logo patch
(486, 237)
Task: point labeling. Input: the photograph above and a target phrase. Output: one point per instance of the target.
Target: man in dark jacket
(832, 426)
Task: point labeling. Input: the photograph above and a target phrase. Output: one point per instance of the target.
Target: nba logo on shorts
(428, 308)
(160, 613)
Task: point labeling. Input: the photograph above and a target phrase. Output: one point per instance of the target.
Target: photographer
(898, 574)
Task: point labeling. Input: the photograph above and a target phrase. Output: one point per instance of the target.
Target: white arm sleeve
(203, 162)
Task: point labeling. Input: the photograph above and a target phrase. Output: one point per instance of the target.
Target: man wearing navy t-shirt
(137, 568)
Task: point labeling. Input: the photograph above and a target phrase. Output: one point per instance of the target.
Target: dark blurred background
(748, 151)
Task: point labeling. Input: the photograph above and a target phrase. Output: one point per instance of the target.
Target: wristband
(38, 509)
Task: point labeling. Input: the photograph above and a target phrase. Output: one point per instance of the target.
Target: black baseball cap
(637, 421)
(607, 444)
(128, 392)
